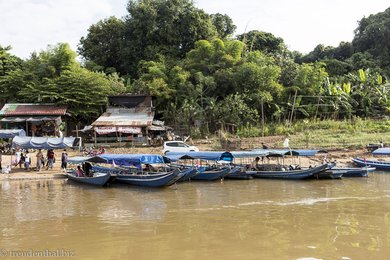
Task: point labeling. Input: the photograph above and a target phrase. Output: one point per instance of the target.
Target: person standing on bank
(64, 160)
(50, 159)
(27, 162)
(40, 160)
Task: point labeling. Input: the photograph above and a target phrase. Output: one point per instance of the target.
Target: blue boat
(237, 173)
(165, 179)
(99, 179)
(329, 174)
(290, 174)
(188, 174)
(354, 172)
(129, 170)
(385, 166)
(211, 175)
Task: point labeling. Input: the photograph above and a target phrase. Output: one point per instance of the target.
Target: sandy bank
(342, 158)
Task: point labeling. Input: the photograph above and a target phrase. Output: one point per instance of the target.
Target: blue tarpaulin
(132, 159)
(28, 142)
(205, 155)
(293, 152)
(82, 159)
(11, 133)
(381, 151)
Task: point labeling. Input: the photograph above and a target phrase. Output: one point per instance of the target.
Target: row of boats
(153, 170)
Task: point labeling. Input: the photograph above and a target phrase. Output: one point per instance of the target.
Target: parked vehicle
(178, 146)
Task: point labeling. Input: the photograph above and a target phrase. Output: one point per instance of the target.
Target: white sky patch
(30, 25)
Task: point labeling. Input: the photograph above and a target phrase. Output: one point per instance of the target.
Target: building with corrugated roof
(127, 118)
(34, 119)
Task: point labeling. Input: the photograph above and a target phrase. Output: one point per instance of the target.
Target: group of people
(23, 159)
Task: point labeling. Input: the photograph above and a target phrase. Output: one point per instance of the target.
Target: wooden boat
(385, 166)
(329, 174)
(290, 174)
(130, 170)
(159, 180)
(211, 175)
(188, 174)
(355, 172)
(237, 173)
(98, 178)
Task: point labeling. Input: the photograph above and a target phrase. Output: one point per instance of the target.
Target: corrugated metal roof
(32, 109)
(125, 118)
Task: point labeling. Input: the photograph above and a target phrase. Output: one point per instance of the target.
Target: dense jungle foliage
(203, 75)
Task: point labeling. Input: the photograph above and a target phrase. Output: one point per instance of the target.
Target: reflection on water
(256, 219)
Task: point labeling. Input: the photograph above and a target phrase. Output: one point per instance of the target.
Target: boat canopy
(248, 154)
(309, 152)
(83, 159)
(132, 159)
(286, 152)
(204, 155)
(11, 133)
(28, 142)
(381, 151)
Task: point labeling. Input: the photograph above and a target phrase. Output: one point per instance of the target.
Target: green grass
(355, 133)
(340, 134)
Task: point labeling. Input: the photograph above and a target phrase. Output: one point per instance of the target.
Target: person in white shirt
(27, 161)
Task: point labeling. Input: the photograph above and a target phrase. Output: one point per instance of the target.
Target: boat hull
(290, 175)
(355, 172)
(211, 175)
(384, 166)
(99, 179)
(161, 180)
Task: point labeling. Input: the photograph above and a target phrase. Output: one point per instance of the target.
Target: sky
(31, 25)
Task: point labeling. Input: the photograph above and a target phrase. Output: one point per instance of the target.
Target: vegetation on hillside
(203, 76)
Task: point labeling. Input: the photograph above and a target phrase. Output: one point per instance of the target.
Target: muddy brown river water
(255, 219)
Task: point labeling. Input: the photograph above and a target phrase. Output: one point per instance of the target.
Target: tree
(262, 41)
(372, 36)
(54, 76)
(224, 25)
(102, 47)
(11, 75)
(8, 62)
(162, 27)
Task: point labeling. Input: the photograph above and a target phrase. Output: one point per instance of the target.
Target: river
(255, 219)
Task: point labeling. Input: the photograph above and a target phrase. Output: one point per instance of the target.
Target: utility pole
(293, 107)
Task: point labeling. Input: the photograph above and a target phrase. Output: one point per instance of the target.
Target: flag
(286, 143)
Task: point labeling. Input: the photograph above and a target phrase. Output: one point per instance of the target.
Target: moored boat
(164, 179)
(237, 173)
(131, 170)
(354, 172)
(290, 174)
(385, 166)
(98, 178)
(211, 175)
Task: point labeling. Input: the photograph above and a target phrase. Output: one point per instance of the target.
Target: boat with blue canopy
(93, 178)
(379, 165)
(131, 171)
(290, 174)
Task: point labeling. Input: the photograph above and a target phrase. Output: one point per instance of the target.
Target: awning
(31, 119)
(129, 130)
(11, 133)
(103, 130)
(156, 128)
(29, 142)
